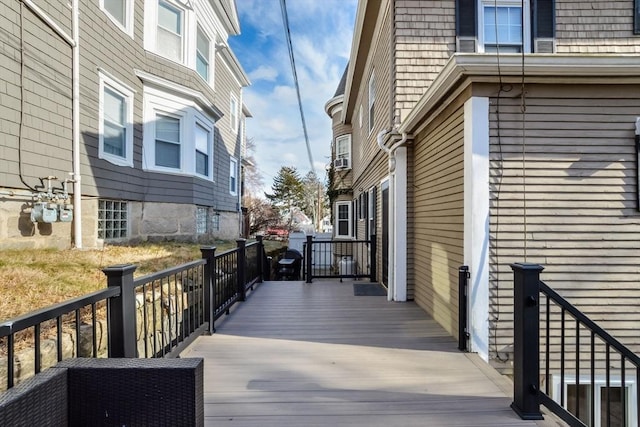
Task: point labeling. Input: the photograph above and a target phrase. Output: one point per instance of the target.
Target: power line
(287, 32)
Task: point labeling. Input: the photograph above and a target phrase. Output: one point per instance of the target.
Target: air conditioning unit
(341, 163)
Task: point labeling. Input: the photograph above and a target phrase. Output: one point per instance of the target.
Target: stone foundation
(146, 222)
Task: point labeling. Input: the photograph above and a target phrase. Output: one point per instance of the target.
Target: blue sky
(321, 33)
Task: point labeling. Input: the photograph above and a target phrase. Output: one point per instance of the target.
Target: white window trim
(341, 138)
(527, 21)
(233, 172)
(194, 14)
(233, 113)
(159, 102)
(211, 53)
(128, 25)
(107, 81)
(206, 124)
(151, 30)
(600, 382)
(349, 220)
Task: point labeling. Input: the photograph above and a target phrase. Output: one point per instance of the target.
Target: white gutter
(77, 186)
(72, 41)
(392, 293)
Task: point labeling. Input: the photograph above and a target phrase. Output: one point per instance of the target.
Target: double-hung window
(202, 54)
(203, 144)
(116, 122)
(182, 32)
(120, 12)
(502, 28)
(343, 219)
(233, 113)
(233, 176)
(170, 31)
(343, 152)
(178, 130)
(505, 26)
(167, 141)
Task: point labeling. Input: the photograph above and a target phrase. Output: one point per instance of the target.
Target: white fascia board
(334, 105)
(538, 68)
(476, 220)
(231, 61)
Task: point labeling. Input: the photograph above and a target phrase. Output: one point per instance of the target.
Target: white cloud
(263, 72)
(321, 33)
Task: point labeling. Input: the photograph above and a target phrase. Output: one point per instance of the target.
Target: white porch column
(400, 226)
(476, 220)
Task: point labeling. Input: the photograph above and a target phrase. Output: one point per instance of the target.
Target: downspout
(392, 208)
(77, 188)
(72, 41)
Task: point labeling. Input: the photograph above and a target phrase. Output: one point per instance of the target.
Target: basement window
(578, 399)
(201, 220)
(112, 219)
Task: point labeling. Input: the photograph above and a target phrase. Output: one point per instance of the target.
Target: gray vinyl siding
(437, 216)
(119, 182)
(46, 95)
(581, 216)
(47, 139)
(227, 143)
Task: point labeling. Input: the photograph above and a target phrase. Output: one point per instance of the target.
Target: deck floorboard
(297, 354)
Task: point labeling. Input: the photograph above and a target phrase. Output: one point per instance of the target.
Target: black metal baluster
(548, 346)
(77, 313)
(94, 326)
(623, 410)
(154, 319)
(608, 373)
(59, 337)
(10, 360)
(145, 321)
(593, 378)
(38, 355)
(562, 337)
(577, 368)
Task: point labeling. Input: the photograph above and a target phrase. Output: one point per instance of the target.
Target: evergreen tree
(287, 192)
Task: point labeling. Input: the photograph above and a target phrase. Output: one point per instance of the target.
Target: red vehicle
(278, 231)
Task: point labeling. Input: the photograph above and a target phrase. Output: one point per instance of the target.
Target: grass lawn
(33, 279)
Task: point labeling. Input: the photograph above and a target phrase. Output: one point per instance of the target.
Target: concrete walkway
(297, 354)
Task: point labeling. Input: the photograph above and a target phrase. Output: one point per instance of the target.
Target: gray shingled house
(133, 109)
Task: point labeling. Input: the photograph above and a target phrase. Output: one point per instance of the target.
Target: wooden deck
(297, 354)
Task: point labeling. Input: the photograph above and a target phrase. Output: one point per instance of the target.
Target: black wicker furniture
(109, 392)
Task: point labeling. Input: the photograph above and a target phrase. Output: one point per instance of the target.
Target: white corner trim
(476, 220)
(400, 226)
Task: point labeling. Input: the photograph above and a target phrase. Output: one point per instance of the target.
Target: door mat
(369, 290)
